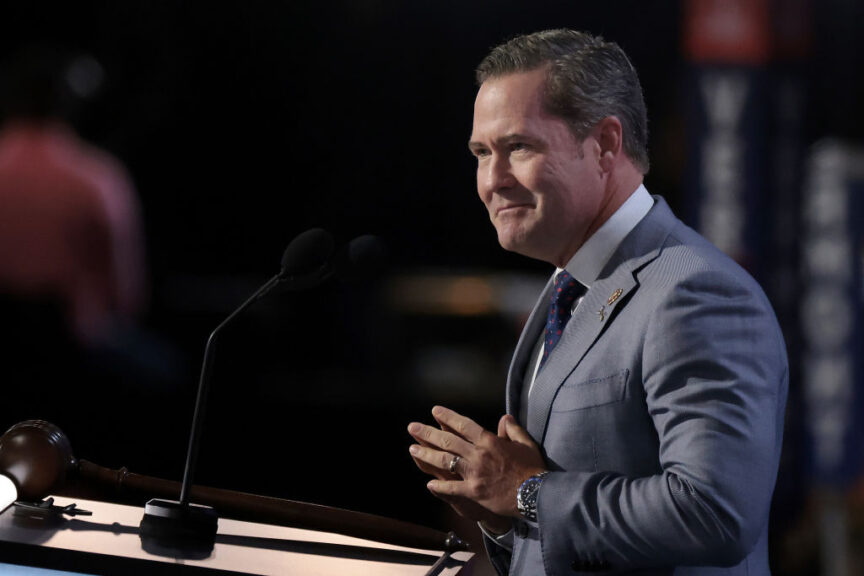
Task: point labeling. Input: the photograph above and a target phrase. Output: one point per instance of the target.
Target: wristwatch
(526, 496)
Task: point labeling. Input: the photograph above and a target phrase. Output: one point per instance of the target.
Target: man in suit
(645, 407)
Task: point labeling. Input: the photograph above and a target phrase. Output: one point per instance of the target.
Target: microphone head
(361, 258)
(307, 253)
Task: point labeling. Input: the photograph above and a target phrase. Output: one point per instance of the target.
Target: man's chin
(516, 244)
(509, 242)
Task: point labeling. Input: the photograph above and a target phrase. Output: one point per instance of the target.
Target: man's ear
(609, 135)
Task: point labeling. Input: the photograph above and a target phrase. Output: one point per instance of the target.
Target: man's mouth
(512, 208)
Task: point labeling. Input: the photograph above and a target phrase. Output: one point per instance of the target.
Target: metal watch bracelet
(526, 496)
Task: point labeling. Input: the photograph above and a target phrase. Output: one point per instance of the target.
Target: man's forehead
(527, 85)
(504, 100)
(511, 106)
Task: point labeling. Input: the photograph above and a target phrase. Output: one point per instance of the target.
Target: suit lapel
(591, 318)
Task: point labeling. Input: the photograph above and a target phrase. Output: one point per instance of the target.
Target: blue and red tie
(564, 294)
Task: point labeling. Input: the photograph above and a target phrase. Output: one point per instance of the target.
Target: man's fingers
(446, 487)
(420, 459)
(432, 471)
(443, 463)
(440, 439)
(461, 425)
(514, 431)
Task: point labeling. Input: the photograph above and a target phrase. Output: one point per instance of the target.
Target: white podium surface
(242, 547)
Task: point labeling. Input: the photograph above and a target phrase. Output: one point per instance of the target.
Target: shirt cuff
(504, 540)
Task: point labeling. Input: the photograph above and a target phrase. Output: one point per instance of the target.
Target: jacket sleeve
(715, 379)
(499, 555)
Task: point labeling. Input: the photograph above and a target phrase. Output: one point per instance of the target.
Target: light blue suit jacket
(660, 415)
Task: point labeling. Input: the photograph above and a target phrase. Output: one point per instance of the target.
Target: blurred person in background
(72, 271)
(70, 225)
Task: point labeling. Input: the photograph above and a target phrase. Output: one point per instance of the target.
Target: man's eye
(481, 153)
(516, 146)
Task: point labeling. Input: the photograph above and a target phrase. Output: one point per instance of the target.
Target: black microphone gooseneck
(306, 257)
(305, 263)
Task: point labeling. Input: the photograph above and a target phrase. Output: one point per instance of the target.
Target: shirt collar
(586, 265)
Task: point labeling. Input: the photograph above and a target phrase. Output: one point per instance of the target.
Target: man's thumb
(508, 428)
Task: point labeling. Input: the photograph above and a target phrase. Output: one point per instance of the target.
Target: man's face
(543, 189)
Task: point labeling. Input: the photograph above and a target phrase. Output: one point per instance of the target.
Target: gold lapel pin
(615, 295)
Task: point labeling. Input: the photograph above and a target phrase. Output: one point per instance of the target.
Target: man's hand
(489, 469)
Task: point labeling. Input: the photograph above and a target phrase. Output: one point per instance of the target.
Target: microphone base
(169, 528)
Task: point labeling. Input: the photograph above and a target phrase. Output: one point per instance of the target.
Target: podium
(109, 542)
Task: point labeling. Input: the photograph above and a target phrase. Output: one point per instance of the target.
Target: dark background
(244, 124)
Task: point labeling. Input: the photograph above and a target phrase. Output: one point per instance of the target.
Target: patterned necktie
(564, 293)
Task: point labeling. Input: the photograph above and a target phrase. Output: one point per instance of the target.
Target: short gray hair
(587, 80)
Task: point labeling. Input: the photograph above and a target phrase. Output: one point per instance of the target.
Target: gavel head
(37, 457)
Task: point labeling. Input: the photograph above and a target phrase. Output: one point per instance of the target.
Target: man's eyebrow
(513, 136)
(506, 139)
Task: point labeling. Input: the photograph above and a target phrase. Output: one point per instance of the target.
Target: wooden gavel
(37, 456)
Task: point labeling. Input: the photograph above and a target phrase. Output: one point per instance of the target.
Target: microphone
(360, 259)
(308, 261)
(307, 255)
(305, 263)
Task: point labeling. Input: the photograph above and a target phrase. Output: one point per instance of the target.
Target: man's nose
(498, 174)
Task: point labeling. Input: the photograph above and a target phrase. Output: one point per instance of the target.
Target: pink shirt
(69, 226)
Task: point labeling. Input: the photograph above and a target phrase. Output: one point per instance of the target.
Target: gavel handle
(269, 510)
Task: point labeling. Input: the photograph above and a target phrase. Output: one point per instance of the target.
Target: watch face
(526, 496)
(526, 500)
